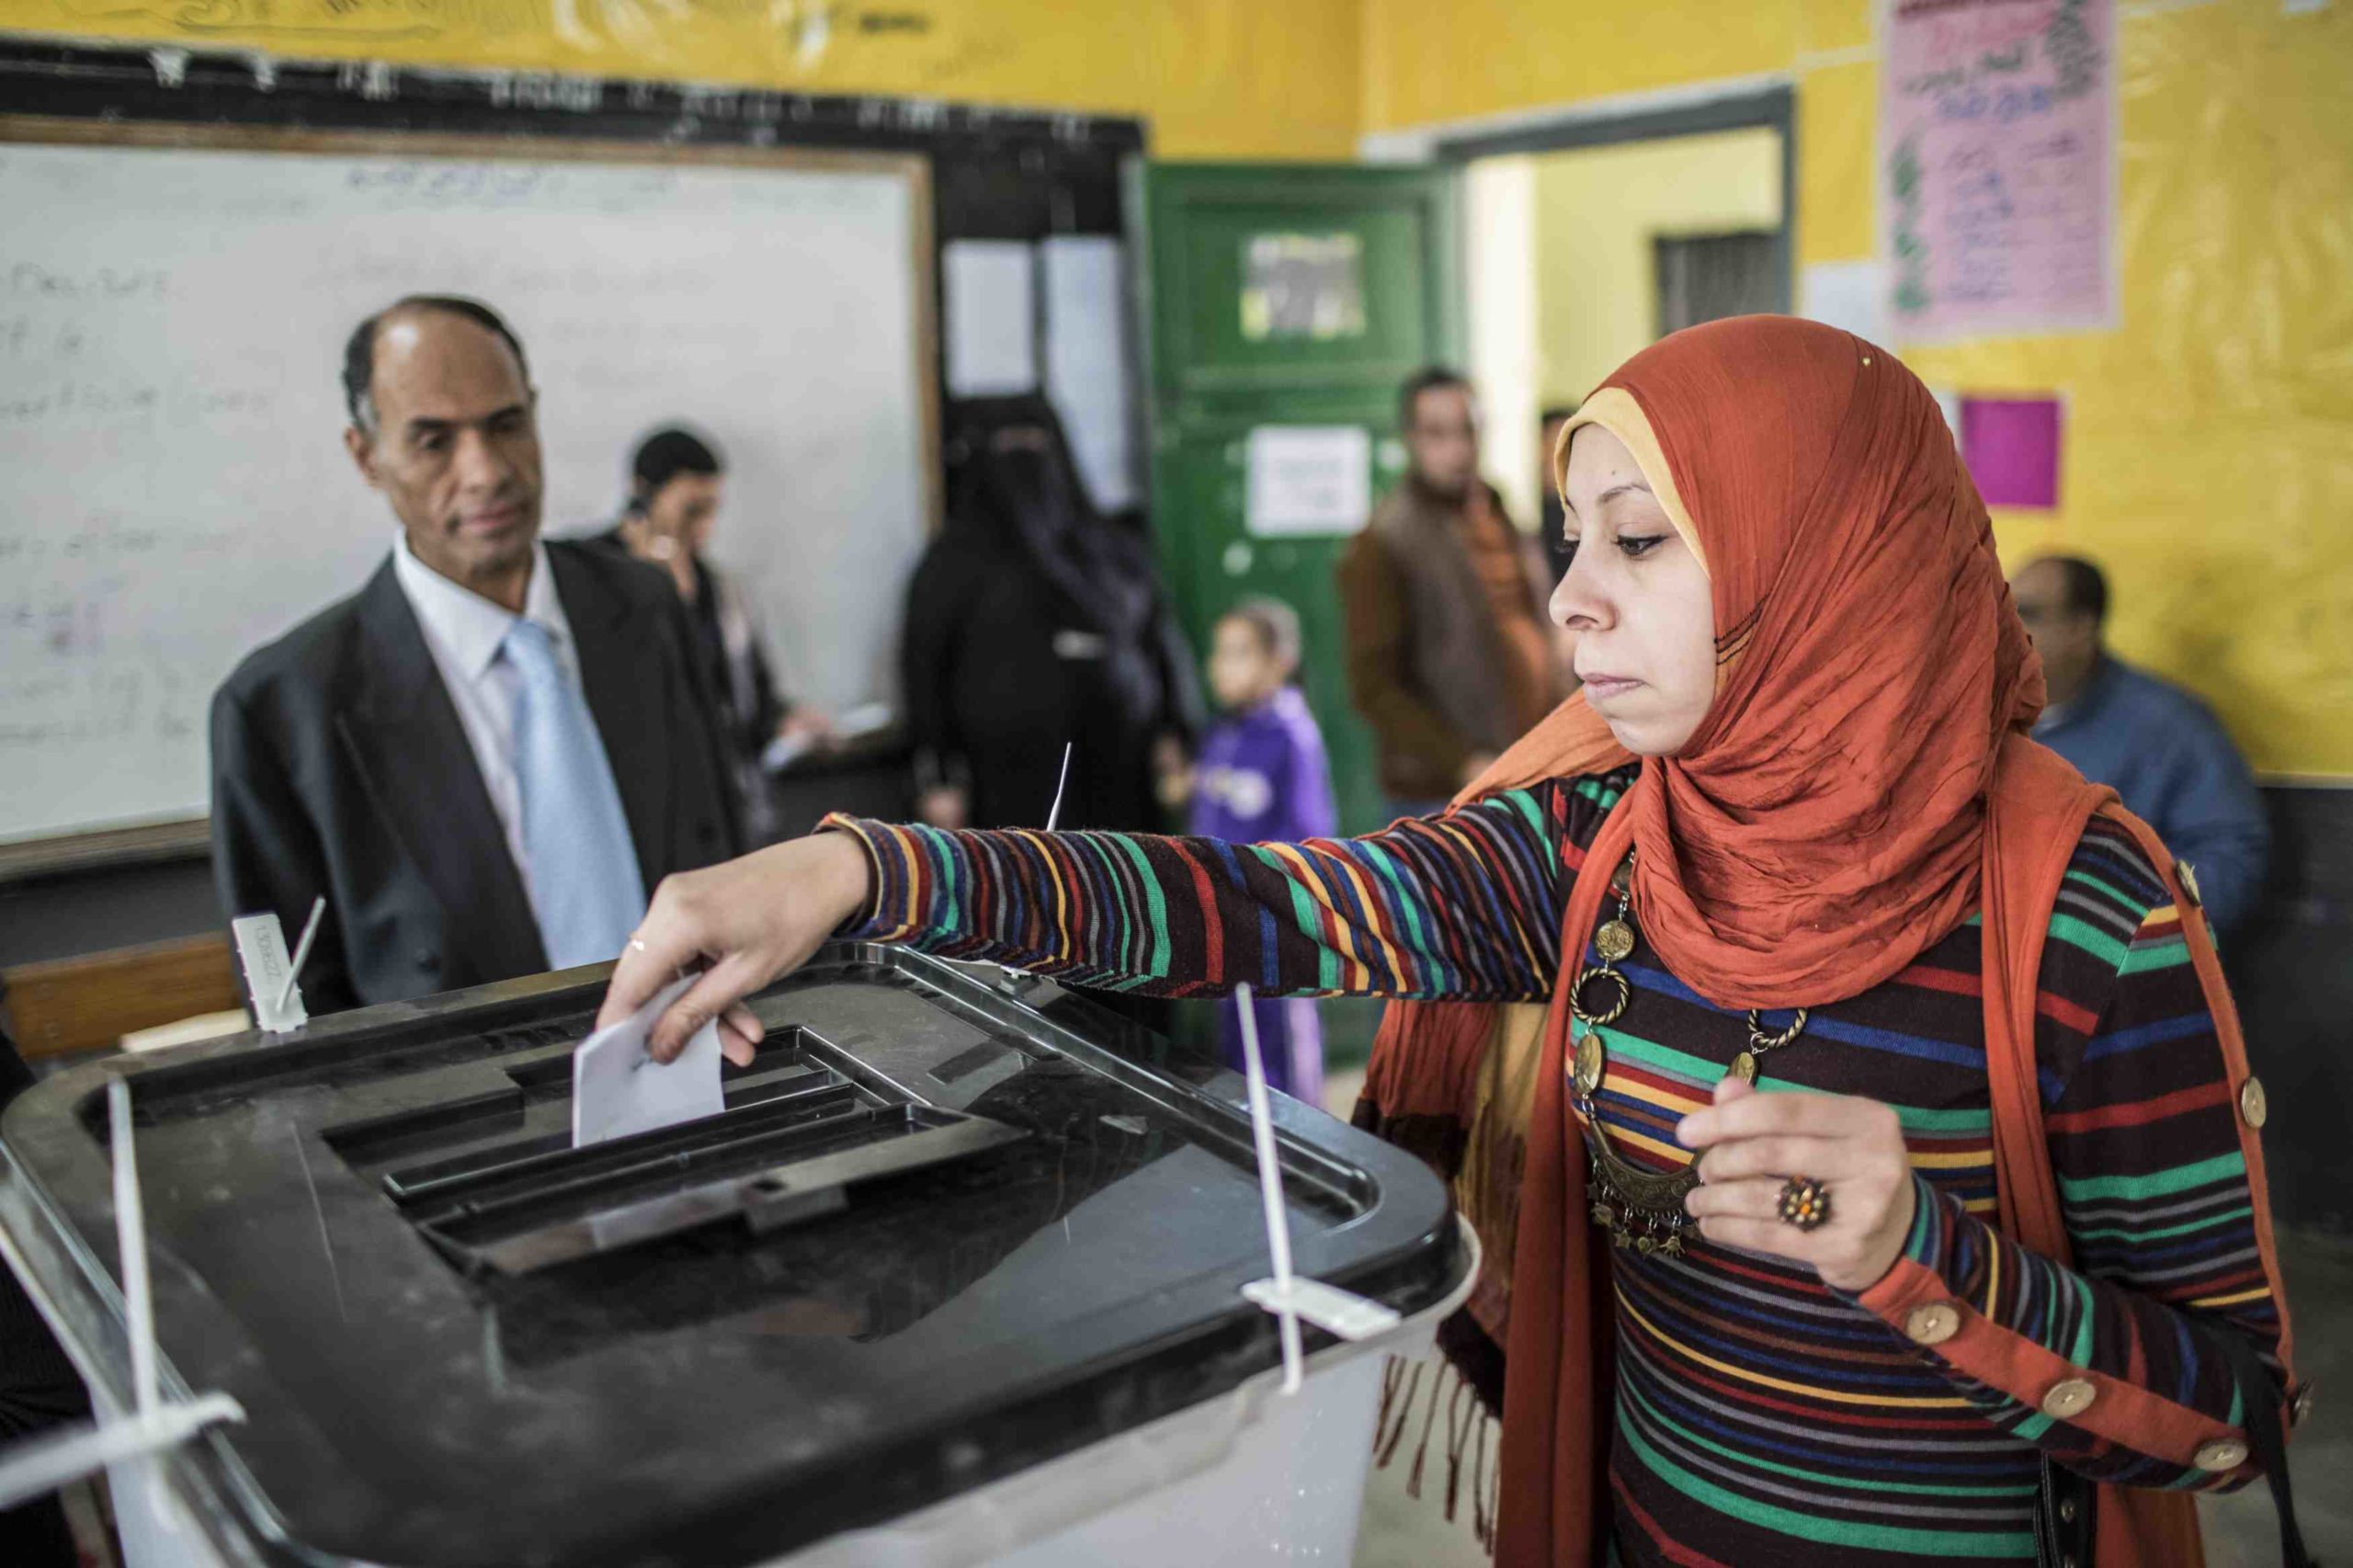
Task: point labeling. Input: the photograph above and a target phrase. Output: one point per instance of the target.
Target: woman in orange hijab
(1885, 1187)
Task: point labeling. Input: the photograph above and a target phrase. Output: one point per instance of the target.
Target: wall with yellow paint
(1597, 210)
(2209, 461)
(2209, 457)
(1216, 78)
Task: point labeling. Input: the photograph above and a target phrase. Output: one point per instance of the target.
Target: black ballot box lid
(947, 1227)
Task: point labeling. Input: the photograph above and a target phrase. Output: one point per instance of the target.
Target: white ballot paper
(619, 1089)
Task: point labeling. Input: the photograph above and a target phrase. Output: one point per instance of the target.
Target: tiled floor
(2240, 1528)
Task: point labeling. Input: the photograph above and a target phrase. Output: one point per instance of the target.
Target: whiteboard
(173, 490)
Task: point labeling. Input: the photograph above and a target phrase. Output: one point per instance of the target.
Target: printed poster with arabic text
(1997, 155)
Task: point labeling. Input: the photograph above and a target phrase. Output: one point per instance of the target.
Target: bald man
(486, 759)
(2159, 747)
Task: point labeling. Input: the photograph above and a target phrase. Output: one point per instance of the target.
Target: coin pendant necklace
(1640, 1208)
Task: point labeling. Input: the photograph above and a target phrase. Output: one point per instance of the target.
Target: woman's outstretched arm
(1465, 906)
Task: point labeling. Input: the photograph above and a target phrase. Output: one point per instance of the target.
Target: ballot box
(955, 1277)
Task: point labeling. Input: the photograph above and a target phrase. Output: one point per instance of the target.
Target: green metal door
(1289, 302)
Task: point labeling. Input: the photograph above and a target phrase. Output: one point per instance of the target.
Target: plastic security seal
(1341, 1313)
(270, 972)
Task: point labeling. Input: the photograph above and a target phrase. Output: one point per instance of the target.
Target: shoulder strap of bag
(2259, 1392)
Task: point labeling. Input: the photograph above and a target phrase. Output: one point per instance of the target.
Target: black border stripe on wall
(997, 173)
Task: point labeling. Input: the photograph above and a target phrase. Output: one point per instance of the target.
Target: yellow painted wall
(2209, 453)
(2209, 456)
(1216, 78)
(1596, 212)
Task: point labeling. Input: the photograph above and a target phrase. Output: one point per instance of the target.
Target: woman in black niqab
(1032, 621)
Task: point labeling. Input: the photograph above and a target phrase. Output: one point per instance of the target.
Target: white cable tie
(303, 950)
(1340, 1314)
(131, 1238)
(34, 1469)
(1271, 1192)
(1020, 983)
(1054, 812)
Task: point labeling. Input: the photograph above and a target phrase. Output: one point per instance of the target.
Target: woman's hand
(744, 923)
(649, 544)
(1172, 773)
(806, 722)
(1752, 1142)
(946, 806)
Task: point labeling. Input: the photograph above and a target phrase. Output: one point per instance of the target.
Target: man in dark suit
(487, 757)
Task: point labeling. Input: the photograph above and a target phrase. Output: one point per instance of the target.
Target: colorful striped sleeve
(2113, 1367)
(1465, 906)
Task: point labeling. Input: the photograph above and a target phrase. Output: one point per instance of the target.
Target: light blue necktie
(584, 868)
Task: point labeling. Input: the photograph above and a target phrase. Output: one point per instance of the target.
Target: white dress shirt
(464, 631)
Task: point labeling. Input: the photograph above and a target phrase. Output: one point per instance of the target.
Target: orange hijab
(1825, 823)
(1822, 826)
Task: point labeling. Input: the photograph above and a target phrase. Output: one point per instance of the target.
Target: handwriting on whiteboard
(174, 485)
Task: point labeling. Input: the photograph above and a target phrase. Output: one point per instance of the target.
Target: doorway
(1587, 239)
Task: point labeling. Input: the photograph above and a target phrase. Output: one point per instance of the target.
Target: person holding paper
(483, 759)
(1885, 1183)
(677, 484)
(1449, 656)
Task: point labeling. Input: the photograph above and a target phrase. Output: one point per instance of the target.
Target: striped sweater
(1762, 1417)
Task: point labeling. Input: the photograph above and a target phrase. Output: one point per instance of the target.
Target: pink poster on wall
(1997, 166)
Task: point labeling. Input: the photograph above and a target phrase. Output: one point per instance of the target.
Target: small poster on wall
(1997, 166)
(1307, 479)
(2011, 445)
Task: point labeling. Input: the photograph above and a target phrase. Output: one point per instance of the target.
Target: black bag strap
(2267, 1435)
(2066, 1518)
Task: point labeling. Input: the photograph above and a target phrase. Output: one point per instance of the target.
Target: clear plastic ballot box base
(953, 1279)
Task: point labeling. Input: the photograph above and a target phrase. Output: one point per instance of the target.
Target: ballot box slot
(540, 1211)
(528, 1117)
(494, 1184)
(524, 1159)
(372, 1140)
(549, 1071)
(581, 1179)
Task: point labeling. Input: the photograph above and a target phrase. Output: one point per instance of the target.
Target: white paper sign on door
(992, 326)
(1309, 479)
(1087, 362)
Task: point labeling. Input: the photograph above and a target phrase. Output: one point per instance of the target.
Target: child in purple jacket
(1261, 777)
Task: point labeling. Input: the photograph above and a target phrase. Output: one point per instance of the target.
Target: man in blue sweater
(2158, 746)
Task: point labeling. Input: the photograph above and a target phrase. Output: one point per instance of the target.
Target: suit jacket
(339, 767)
